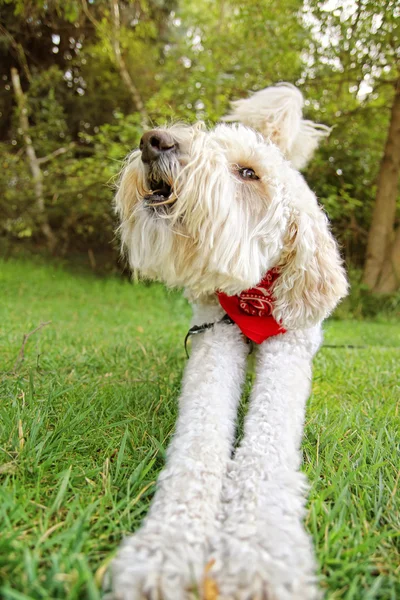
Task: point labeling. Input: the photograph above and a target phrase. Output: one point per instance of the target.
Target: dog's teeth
(170, 200)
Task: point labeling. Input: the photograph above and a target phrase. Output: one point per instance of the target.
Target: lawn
(86, 416)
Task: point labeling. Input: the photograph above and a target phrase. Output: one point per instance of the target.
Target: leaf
(61, 492)
(210, 587)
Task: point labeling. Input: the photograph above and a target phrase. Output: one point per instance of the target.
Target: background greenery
(95, 73)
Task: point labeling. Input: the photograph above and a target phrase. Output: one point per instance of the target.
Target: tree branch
(19, 51)
(381, 233)
(33, 161)
(121, 64)
(44, 159)
(89, 15)
(118, 57)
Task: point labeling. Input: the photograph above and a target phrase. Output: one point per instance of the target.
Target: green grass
(86, 418)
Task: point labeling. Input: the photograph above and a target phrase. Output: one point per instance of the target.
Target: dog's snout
(154, 143)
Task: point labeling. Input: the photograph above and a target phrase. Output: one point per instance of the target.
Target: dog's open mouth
(161, 194)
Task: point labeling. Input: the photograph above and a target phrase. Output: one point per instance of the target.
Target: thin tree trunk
(381, 233)
(137, 101)
(34, 163)
(121, 65)
(389, 280)
(19, 51)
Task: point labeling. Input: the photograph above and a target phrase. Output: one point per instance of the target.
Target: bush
(361, 304)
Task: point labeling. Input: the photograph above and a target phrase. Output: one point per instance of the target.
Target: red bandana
(252, 310)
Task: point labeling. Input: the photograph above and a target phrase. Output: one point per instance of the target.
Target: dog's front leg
(165, 559)
(262, 551)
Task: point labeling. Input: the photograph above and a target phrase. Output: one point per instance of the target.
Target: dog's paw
(263, 551)
(158, 566)
(245, 570)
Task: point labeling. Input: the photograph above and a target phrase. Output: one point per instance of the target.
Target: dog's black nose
(154, 143)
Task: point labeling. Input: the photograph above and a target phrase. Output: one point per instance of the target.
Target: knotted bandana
(251, 310)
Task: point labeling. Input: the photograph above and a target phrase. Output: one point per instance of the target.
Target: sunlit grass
(85, 420)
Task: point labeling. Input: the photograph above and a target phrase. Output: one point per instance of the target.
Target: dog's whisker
(169, 200)
(179, 233)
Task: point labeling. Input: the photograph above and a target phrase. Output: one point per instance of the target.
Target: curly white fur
(218, 525)
(261, 549)
(225, 234)
(167, 557)
(276, 112)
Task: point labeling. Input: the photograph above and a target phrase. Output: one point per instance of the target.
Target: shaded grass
(85, 421)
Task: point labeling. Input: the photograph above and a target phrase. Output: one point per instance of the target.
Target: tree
(220, 50)
(70, 70)
(93, 73)
(382, 264)
(356, 53)
(34, 162)
(114, 40)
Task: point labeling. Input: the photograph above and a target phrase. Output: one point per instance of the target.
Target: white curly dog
(226, 215)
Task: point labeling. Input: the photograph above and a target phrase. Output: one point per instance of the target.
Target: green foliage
(360, 39)
(82, 209)
(362, 304)
(46, 111)
(354, 58)
(78, 187)
(347, 188)
(220, 50)
(86, 418)
(187, 61)
(17, 197)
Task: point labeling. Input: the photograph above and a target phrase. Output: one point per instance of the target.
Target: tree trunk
(389, 280)
(121, 65)
(34, 162)
(381, 270)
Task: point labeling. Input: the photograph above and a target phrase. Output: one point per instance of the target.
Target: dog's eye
(246, 173)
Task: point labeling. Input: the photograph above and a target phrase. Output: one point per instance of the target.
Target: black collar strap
(202, 328)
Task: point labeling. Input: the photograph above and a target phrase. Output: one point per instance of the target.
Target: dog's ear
(276, 113)
(312, 279)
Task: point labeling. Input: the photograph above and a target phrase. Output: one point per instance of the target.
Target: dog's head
(215, 210)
